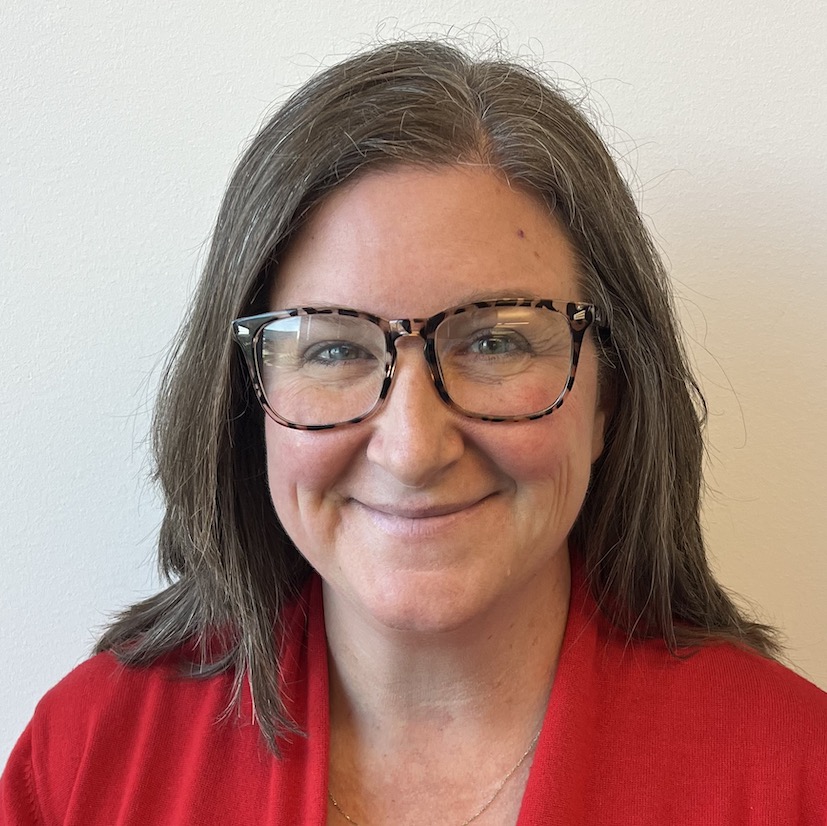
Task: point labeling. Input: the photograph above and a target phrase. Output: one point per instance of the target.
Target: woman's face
(419, 518)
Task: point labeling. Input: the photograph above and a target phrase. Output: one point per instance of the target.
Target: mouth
(425, 512)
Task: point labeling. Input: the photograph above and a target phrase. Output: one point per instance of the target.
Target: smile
(419, 519)
(422, 512)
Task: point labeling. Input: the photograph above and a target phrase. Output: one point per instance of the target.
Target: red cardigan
(631, 736)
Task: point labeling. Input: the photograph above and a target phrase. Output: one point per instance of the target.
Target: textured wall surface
(118, 131)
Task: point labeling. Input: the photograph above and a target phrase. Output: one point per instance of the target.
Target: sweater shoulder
(726, 670)
(108, 720)
(753, 675)
(721, 687)
(103, 681)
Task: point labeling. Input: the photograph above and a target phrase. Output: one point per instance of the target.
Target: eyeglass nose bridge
(412, 328)
(400, 327)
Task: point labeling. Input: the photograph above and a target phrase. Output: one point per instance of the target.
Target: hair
(230, 564)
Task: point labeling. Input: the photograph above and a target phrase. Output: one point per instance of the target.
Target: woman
(419, 573)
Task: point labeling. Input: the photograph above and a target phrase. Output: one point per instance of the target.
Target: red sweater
(631, 736)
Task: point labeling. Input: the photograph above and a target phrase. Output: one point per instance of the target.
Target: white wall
(118, 129)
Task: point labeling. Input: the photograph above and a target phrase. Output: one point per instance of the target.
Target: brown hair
(230, 563)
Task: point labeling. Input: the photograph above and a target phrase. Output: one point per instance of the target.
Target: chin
(425, 603)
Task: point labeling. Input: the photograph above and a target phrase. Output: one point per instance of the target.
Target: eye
(494, 343)
(335, 352)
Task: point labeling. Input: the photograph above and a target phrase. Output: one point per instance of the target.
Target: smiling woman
(432, 527)
(422, 517)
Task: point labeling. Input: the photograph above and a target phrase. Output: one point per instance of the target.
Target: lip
(425, 511)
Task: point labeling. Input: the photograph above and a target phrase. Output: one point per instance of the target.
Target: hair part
(231, 565)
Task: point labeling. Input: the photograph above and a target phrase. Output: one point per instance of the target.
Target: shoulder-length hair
(230, 564)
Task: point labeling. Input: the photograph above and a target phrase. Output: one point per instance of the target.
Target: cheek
(303, 469)
(543, 449)
(550, 463)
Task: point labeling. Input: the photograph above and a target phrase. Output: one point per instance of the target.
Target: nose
(415, 436)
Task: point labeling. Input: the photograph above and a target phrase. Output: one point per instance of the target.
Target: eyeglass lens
(495, 361)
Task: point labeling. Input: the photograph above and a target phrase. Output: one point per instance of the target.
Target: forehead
(410, 242)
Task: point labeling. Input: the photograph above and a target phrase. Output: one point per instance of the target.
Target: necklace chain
(484, 807)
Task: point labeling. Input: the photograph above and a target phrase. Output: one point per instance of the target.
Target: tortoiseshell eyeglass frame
(247, 333)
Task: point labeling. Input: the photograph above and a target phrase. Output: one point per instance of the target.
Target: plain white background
(119, 126)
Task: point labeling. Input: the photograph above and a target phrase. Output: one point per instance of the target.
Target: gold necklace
(485, 806)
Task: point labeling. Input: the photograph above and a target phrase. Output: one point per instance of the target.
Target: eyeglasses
(504, 360)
